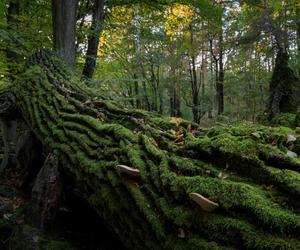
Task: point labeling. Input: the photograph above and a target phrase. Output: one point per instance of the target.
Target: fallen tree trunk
(163, 183)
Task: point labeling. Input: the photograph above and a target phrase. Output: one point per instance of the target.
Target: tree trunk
(174, 94)
(148, 176)
(93, 41)
(211, 89)
(136, 92)
(195, 86)
(298, 28)
(284, 87)
(138, 46)
(64, 25)
(155, 87)
(13, 12)
(195, 92)
(220, 81)
(298, 34)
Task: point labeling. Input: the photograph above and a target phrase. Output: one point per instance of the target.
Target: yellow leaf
(181, 233)
(176, 120)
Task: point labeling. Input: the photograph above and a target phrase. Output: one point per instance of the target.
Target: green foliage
(285, 119)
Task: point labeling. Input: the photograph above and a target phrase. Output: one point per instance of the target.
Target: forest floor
(76, 228)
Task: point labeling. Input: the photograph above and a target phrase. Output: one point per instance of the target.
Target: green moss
(223, 119)
(284, 119)
(151, 148)
(149, 212)
(55, 245)
(162, 123)
(239, 232)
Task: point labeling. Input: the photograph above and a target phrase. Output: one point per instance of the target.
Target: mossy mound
(247, 169)
(290, 120)
(285, 119)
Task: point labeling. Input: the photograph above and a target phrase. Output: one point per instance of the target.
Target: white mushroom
(291, 138)
(128, 170)
(206, 204)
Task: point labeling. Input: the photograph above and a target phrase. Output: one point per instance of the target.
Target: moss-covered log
(247, 170)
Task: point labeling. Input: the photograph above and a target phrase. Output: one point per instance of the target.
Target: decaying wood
(46, 194)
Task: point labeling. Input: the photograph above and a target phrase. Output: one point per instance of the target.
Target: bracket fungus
(206, 204)
(128, 170)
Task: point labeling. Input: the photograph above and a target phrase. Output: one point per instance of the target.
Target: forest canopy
(193, 59)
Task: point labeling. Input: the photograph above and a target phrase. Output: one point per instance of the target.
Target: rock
(291, 138)
(291, 154)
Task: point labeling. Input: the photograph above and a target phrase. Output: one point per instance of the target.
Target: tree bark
(13, 12)
(140, 67)
(137, 92)
(64, 25)
(211, 87)
(175, 101)
(220, 81)
(155, 86)
(298, 28)
(195, 84)
(284, 87)
(144, 174)
(174, 94)
(93, 41)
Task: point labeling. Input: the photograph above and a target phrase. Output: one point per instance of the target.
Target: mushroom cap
(128, 170)
(206, 204)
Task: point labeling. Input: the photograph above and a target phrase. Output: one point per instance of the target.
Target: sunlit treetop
(178, 17)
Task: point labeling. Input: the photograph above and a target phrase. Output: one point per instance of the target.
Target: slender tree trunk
(298, 29)
(202, 72)
(161, 103)
(195, 86)
(174, 85)
(130, 93)
(93, 41)
(195, 92)
(64, 25)
(217, 84)
(211, 89)
(220, 67)
(138, 44)
(220, 83)
(12, 22)
(174, 95)
(137, 92)
(155, 86)
(298, 34)
(160, 94)
(177, 99)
